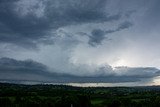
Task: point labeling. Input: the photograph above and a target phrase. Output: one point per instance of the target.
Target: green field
(14, 95)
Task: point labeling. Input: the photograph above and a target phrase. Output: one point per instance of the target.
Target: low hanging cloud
(31, 71)
(28, 70)
(9, 64)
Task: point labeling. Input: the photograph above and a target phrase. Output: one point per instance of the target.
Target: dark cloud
(20, 30)
(81, 11)
(138, 72)
(26, 24)
(28, 70)
(98, 35)
(124, 25)
(27, 66)
(27, 30)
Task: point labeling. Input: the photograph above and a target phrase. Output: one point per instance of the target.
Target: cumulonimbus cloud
(29, 70)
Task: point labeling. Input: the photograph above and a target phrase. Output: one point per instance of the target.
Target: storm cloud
(27, 23)
(79, 41)
(98, 35)
(29, 70)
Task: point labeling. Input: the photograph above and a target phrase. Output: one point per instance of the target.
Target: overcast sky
(86, 38)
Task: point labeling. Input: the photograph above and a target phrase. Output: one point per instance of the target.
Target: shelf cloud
(97, 40)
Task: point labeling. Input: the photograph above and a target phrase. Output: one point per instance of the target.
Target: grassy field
(16, 95)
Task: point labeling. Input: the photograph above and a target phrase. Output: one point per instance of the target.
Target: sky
(108, 41)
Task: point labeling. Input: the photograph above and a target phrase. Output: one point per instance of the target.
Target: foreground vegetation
(14, 95)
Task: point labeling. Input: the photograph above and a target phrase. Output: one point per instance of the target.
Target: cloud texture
(89, 39)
